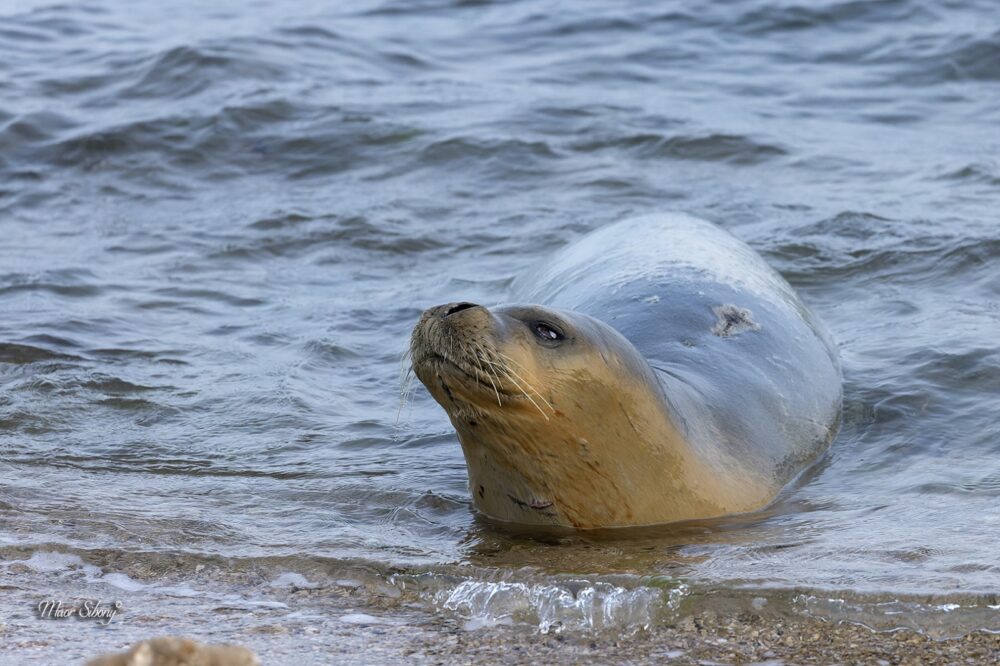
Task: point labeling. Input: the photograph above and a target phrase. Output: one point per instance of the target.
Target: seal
(658, 371)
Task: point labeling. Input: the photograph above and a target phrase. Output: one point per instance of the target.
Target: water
(221, 220)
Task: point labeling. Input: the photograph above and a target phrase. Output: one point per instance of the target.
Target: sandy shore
(706, 639)
(735, 640)
(376, 624)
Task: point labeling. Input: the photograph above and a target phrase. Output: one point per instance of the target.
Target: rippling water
(220, 221)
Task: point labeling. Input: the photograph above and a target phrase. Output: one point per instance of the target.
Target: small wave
(68, 290)
(460, 150)
(26, 133)
(329, 353)
(920, 57)
(273, 137)
(943, 617)
(604, 24)
(68, 565)
(405, 7)
(60, 21)
(310, 32)
(573, 605)
(850, 224)
(280, 221)
(326, 238)
(56, 562)
(24, 354)
(987, 486)
(65, 282)
(874, 247)
(293, 580)
(971, 371)
(730, 148)
(24, 34)
(981, 172)
(950, 58)
(253, 117)
(132, 405)
(211, 295)
(777, 17)
(184, 71)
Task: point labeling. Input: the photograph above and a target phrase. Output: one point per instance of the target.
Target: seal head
(561, 420)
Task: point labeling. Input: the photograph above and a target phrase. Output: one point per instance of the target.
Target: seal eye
(547, 332)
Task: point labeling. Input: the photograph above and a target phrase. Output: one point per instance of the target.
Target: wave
(587, 605)
(17, 354)
(877, 248)
(575, 606)
(184, 71)
(979, 172)
(836, 15)
(235, 142)
(950, 58)
(731, 148)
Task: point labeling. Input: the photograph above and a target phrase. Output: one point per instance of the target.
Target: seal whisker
(518, 380)
(509, 374)
(526, 382)
(405, 392)
(480, 352)
(406, 375)
(480, 366)
(510, 360)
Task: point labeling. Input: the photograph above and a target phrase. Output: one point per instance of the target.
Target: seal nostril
(458, 307)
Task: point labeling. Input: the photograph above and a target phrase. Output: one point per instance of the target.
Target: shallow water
(221, 220)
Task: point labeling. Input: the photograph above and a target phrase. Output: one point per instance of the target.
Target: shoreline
(396, 636)
(691, 643)
(352, 619)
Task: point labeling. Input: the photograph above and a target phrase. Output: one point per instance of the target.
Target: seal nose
(457, 307)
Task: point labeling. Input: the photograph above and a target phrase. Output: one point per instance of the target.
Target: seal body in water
(658, 370)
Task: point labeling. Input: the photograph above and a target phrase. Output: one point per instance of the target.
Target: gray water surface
(220, 221)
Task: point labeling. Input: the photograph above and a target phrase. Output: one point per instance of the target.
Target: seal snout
(457, 307)
(445, 330)
(455, 319)
(449, 309)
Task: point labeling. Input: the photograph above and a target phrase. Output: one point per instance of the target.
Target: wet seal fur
(662, 372)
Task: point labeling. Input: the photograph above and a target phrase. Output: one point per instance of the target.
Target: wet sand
(374, 623)
(735, 641)
(694, 641)
(375, 637)
(725, 640)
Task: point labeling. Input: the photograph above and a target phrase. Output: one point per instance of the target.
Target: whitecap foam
(292, 579)
(360, 618)
(123, 582)
(53, 562)
(574, 606)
